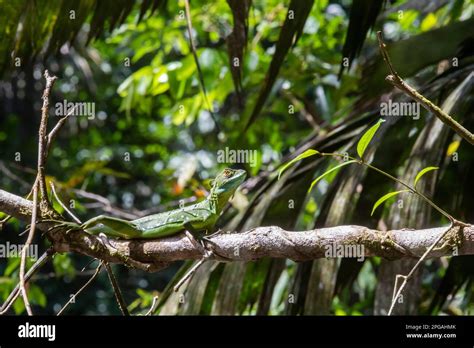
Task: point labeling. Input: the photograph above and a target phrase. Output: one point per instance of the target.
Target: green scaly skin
(197, 218)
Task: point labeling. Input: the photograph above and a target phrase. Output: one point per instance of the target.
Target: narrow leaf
(329, 171)
(237, 40)
(367, 137)
(193, 49)
(453, 147)
(384, 198)
(423, 172)
(361, 19)
(305, 154)
(298, 12)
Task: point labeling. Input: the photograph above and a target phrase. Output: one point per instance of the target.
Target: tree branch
(398, 82)
(117, 292)
(43, 137)
(40, 184)
(73, 297)
(272, 241)
(16, 291)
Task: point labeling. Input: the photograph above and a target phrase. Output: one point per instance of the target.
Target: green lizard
(196, 218)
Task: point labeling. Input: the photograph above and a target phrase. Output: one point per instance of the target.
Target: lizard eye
(227, 173)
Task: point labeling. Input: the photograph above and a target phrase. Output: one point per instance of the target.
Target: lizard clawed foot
(105, 241)
(207, 239)
(219, 231)
(199, 241)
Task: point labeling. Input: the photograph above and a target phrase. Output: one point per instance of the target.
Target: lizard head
(228, 181)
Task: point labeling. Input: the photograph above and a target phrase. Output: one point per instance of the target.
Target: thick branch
(153, 255)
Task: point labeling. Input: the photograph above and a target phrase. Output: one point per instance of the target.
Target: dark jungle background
(153, 140)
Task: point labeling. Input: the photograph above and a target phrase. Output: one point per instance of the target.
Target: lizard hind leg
(199, 235)
(112, 227)
(60, 224)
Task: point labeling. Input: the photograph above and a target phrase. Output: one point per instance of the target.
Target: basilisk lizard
(196, 218)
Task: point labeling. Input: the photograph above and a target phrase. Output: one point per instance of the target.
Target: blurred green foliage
(153, 140)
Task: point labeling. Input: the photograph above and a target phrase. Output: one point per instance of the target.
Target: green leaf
(305, 154)
(453, 147)
(64, 266)
(329, 171)
(367, 137)
(13, 265)
(19, 306)
(429, 22)
(37, 295)
(384, 198)
(423, 172)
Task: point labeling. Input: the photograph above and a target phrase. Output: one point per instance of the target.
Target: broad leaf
(423, 172)
(367, 137)
(329, 171)
(384, 198)
(305, 154)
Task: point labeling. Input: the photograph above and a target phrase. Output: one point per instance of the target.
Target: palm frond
(290, 32)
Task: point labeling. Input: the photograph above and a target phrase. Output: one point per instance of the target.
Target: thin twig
(118, 293)
(74, 217)
(34, 214)
(154, 304)
(10, 301)
(206, 255)
(189, 274)
(43, 139)
(40, 184)
(417, 265)
(16, 291)
(106, 204)
(57, 127)
(73, 297)
(398, 82)
(411, 189)
(24, 278)
(4, 221)
(395, 287)
(453, 221)
(12, 176)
